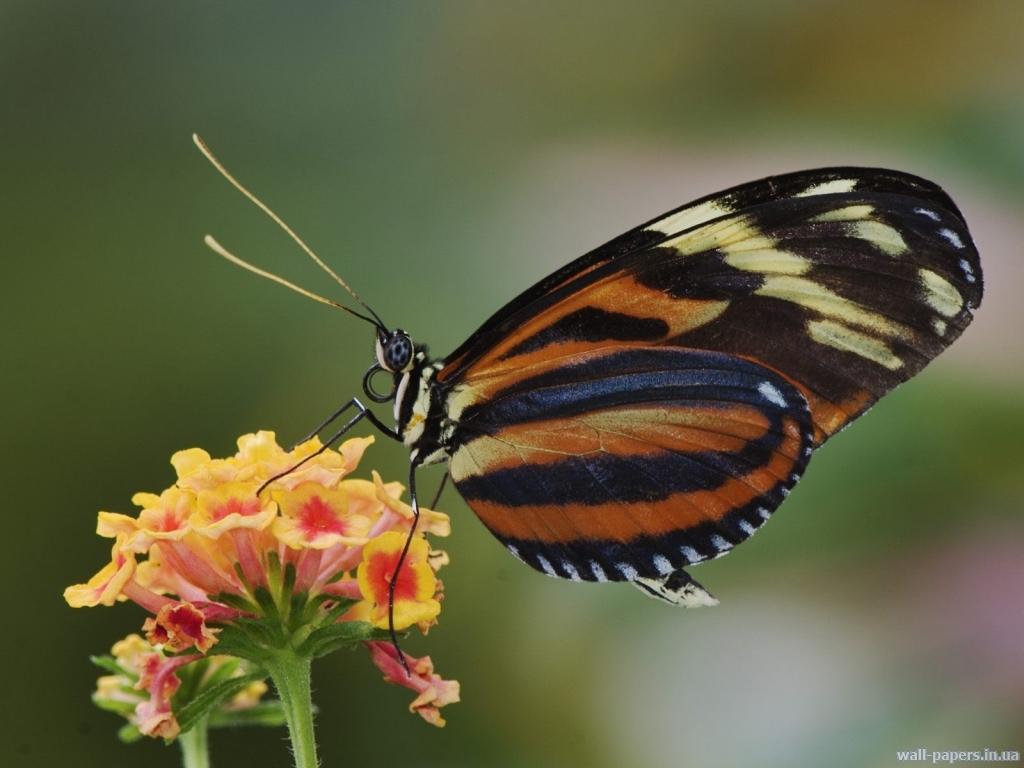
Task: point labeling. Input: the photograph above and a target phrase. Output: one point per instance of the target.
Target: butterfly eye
(395, 352)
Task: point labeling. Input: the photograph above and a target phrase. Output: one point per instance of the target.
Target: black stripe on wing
(631, 463)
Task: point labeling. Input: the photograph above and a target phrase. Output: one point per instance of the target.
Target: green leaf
(212, 697)
(247, 639)
(337, 577)
(328, 639)
(288, 584)
(109, 663)
(344, 603)
(265, 599)
(236, 601)
(191, 677)
(268, 714)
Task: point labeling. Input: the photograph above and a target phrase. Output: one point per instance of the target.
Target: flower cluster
(144, 682)
(221, 562)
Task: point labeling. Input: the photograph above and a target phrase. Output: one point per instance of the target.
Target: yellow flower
(415, 583)
(390, 494)
(105, 587)
(317, 517)
(229, 506)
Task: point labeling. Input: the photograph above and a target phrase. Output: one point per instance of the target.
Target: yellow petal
(105, 587)
(188, 461)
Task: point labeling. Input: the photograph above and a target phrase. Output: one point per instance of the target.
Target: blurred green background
(444, 156)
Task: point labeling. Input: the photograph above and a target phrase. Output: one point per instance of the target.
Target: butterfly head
(395, 355)
(394, 350)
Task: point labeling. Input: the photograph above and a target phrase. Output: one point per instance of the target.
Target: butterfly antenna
(220, 250)
(208, 154)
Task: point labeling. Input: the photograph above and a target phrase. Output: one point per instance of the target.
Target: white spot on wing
(930, 214)
(515, 552)
(771, 393)
(829, 187)
(598, 571)
(570, 569)
(662, 565)
(965, 267)
(939, 325)
(747, 528)
(546, 566)
(764, 513)
(627, 571)
(691, 554)
(952, 236)
(720, 543)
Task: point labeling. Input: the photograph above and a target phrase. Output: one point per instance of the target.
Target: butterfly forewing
(845, 282)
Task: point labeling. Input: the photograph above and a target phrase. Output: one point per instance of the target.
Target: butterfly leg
(677, 588)
(440, 489)
(393, 581)
(353, 403)
(329, 420)
(361, 412)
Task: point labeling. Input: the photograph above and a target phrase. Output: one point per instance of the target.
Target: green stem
(195, 749)
(291, 674)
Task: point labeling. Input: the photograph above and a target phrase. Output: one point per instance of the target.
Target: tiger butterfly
(649, 405)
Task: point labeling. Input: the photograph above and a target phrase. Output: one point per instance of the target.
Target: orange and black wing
(629, 464)
(644, 407)
(844, 281)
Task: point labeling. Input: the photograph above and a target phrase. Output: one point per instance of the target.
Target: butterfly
(649, 405)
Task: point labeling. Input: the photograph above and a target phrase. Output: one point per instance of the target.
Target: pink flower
(154, 716)
(433, 691)
(178, 626)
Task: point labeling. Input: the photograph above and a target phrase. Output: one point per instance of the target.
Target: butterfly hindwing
(619, 464)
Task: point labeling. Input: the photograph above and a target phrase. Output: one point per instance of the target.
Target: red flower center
(243, 507)
(317, 516)
(381, 568)
(170, 522)
(187, 620)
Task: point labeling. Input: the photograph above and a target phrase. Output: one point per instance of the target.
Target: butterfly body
(648, 406)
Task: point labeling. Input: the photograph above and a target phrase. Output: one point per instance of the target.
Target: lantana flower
(144, 682)
(275, 573)
(433, 692)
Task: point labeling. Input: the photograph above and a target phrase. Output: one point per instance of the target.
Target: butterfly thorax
(419, 410)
